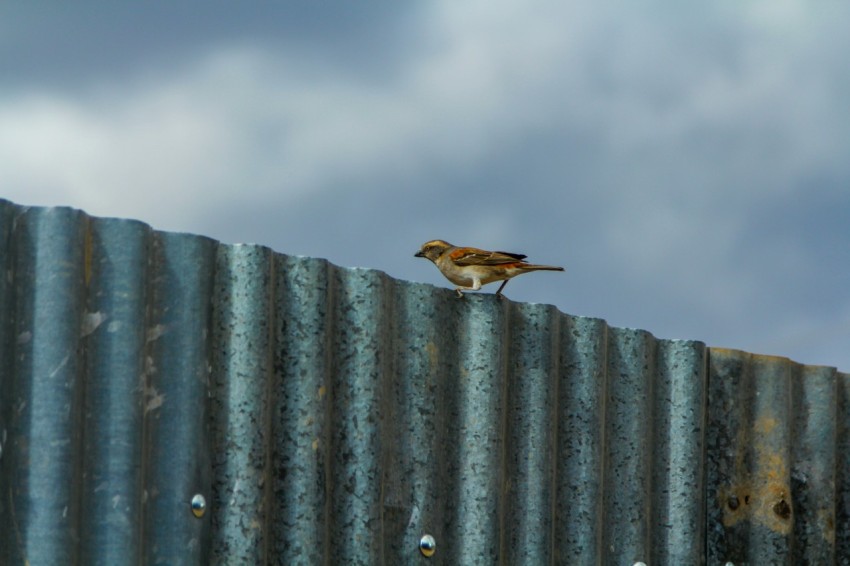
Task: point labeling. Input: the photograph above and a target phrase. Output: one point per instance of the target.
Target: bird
(470, 268)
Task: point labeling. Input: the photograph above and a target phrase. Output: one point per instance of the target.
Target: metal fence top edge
(19, 210)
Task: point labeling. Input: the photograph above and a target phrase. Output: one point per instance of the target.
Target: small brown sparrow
(470, 268)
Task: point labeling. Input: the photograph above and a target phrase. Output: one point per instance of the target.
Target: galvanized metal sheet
(168, 399)
(777, 461)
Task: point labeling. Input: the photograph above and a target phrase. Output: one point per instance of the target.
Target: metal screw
(733, 502)
(199, 505)
(427, 545)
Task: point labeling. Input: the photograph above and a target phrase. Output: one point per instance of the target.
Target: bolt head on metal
(199, 505)
(427, 545)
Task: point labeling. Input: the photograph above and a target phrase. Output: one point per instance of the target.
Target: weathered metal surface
(777, 439)
(168, 399)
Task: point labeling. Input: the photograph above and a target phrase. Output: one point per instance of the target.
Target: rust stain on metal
(765, 425)
(433, 354)
(827, 519)
(765, 503)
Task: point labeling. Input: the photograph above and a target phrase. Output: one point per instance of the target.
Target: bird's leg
(502, 286)
(476, 285)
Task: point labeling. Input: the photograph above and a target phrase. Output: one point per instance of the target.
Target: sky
(688, 164)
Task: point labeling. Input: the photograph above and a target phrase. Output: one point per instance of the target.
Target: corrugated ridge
(324, 415)
(777, 460)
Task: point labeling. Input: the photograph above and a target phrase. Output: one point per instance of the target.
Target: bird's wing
(474, 256)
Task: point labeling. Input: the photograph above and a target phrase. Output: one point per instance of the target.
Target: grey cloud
(687, 165)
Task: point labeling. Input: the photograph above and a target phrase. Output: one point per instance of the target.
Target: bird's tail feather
(533, 267)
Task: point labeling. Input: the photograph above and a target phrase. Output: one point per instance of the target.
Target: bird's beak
(419, 254)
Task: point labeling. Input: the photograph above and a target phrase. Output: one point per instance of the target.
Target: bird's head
(433, 249)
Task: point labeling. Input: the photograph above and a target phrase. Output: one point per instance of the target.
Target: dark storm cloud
(59, 44)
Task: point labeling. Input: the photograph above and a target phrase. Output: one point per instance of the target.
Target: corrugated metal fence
(166, 399)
